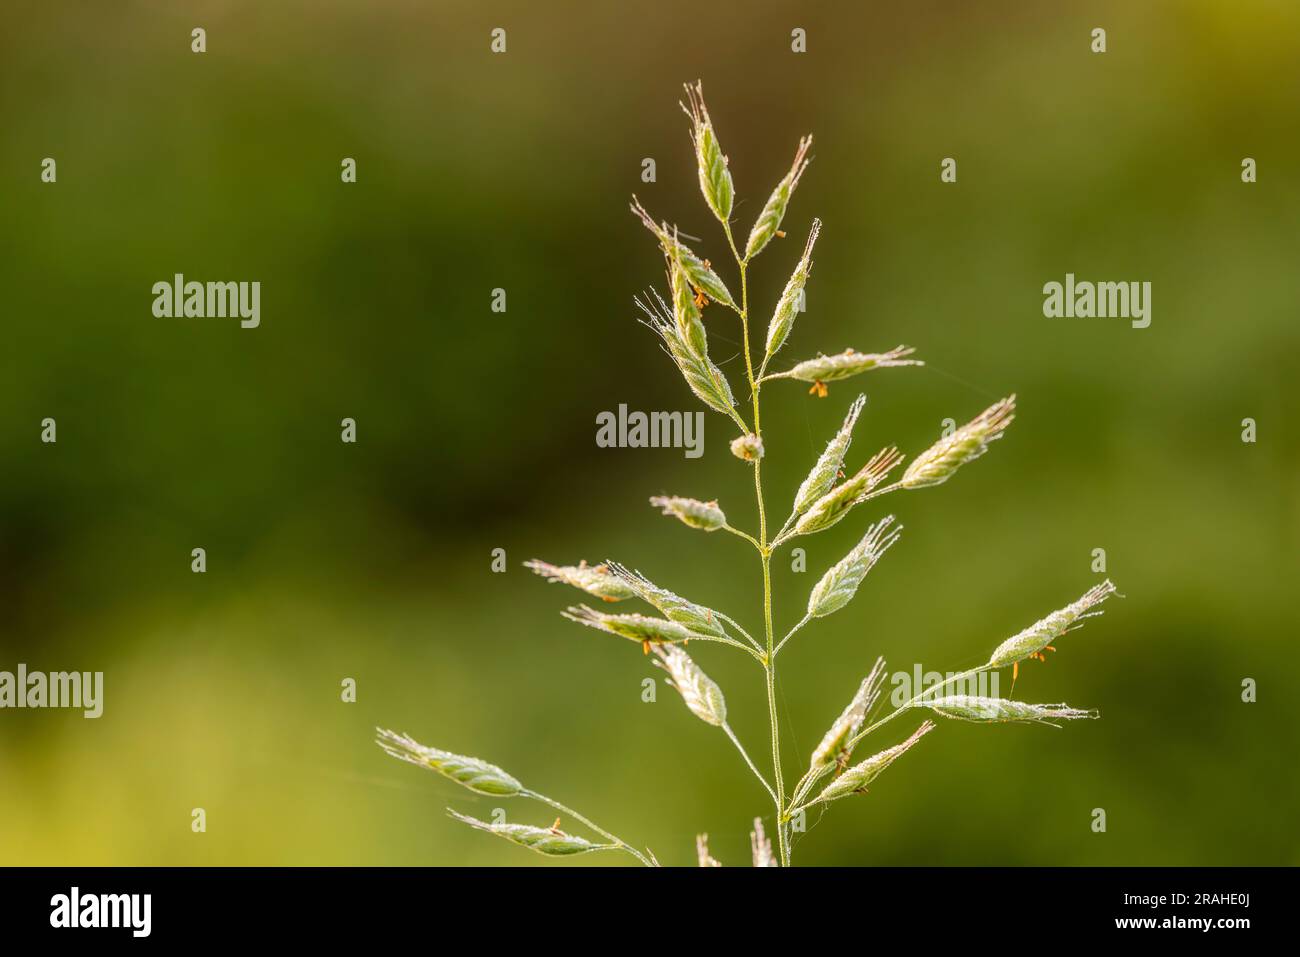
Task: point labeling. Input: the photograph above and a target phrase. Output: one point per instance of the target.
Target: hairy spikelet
(686, 313)
(937, 463)
(700, 692)
(1002, 710)
(697, 618)
(824, 474)
(550, 841)
(698, 271)
(834, 748)
(704, 378)
(1043, 632)
(478, 776)
(768, 223)
(835, 504)
(840, 583)
(595, 580)
(715, 178)
(855, 779)
(639, 628)
(787, 307)
(691, 511)
(825, 369)
(760, 847)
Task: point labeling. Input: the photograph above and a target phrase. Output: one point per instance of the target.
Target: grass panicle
(827, 496)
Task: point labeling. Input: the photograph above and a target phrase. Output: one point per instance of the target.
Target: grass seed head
(478, 776)
(715, 178)
(855, 779)
(595, 580)
(787, 307)
(697, 618)
(849, 363)
(686, 313)
(1002, 710)
(700, 692)
(1043, 632)
(835, 504)
(768, 223)
(698, 271)
(642, 629)
(840, 583)
(703, 377)
(833, 747)
(824, 474)
(936, 464)
(550, 841)
(691, 511)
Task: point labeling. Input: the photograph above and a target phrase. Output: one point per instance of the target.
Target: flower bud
(748, 448)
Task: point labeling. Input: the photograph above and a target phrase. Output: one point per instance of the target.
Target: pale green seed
(551, 842)
(594, 580)
(936, 464)
(824, 474)
(840, 583)
(1001, 710)
(478, 776)
(787, 307)
(854, 780)
(1042, 633)
(691, 511)
(768, 223)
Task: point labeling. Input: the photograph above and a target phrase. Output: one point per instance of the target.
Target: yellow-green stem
(765, 555)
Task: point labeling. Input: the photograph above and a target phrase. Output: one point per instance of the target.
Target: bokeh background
(477, 429)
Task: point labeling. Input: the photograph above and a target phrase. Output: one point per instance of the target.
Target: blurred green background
(476, 429)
